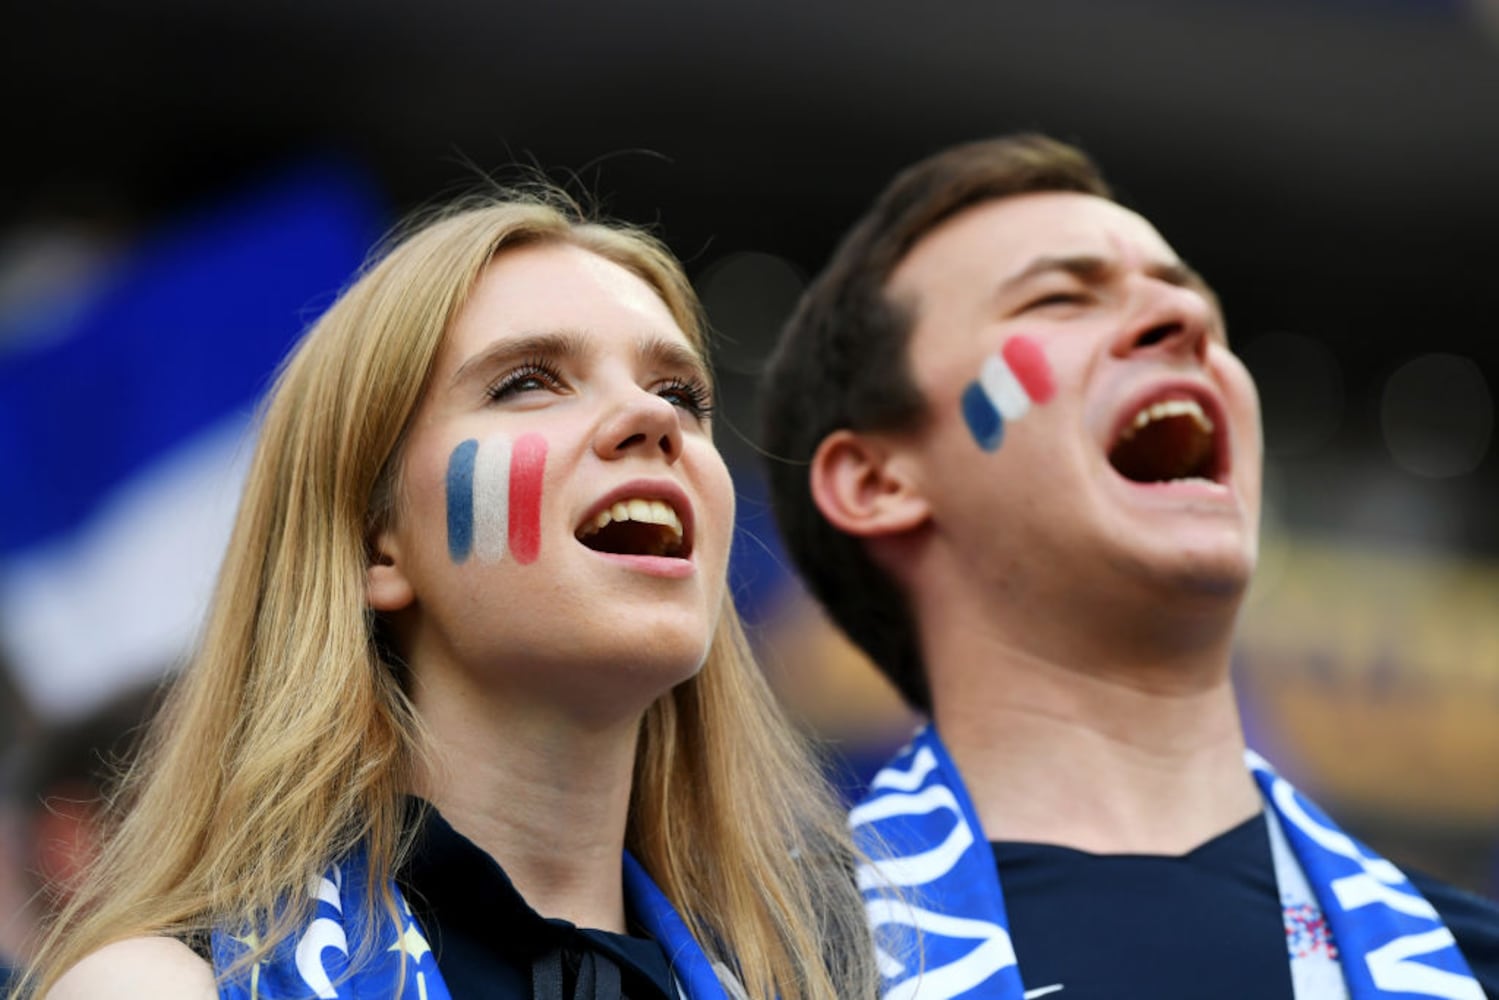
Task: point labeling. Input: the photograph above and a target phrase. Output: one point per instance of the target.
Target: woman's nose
(641, 423)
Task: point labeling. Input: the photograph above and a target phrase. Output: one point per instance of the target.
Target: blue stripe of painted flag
(985, 421)
(189, 330)
(461, 499)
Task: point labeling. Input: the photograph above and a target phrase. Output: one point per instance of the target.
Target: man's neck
(1112, 756)
(545, 797)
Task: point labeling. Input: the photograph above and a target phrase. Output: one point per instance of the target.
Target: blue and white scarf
(316, 961)
(947, 933)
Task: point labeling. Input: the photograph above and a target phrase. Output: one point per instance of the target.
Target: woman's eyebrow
(672, 355)
(557, 344)
(658, 352)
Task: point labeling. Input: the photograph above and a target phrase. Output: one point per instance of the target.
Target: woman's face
(563, 518)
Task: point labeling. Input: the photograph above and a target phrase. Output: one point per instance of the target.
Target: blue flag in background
(124, 436)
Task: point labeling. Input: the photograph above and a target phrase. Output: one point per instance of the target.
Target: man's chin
(1214, 576)
(1185, 577)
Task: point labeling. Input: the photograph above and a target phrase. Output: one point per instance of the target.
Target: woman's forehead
(563, 290)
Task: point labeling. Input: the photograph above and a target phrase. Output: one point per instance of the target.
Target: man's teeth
(1169, 408)
(645, 511)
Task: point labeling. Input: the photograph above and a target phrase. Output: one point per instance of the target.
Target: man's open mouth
(636, 527)
(1169, 440)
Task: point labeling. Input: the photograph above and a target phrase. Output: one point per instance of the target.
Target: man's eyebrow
(558, 344)
(1090, 267)
(1177, 272)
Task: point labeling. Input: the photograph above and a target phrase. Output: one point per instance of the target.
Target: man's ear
(386, 587)
(862, 487)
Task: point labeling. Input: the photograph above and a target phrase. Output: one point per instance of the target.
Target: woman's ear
(386, 587)
(862, 488)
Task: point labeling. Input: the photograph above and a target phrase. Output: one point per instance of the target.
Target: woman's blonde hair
(291, 740)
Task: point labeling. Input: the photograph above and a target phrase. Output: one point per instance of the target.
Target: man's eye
(529, 377)
(1058, 298)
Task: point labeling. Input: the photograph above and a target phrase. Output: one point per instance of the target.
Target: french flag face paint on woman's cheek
(1008, 384)
(494, 498)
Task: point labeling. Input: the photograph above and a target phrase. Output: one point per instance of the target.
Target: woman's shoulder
(159, 968)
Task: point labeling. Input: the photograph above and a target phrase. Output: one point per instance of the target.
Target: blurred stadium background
(186, 185)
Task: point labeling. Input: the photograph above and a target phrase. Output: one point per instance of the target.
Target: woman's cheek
(494, 496)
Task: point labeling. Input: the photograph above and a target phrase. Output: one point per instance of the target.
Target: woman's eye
(529, 377)
(689, 394)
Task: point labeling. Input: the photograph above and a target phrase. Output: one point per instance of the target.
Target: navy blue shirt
(1207, 923)
(491, 945)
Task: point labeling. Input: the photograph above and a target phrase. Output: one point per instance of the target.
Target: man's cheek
(1008, 385)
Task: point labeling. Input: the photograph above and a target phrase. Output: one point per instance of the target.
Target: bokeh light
(1301, 391)
(1437, 415)
(748, 295)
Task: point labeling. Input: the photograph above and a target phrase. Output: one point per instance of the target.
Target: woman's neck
(543, 794)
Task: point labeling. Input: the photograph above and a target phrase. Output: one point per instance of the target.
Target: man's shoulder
(1474, 922)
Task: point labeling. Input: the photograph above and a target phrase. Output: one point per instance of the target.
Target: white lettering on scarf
(929, 846)
(320, 934)
(896, 797)
(1390, 965)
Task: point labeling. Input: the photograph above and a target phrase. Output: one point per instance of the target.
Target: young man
(1016, 459)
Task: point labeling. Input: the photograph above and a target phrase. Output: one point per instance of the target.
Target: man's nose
(1168, 319)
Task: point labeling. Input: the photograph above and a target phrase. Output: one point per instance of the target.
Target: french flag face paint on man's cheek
(1009, 383)
(494, 498)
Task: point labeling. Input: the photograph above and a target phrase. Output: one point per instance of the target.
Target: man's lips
(1172, 432)
(640, 518)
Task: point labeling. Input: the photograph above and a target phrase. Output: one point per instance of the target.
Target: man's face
(1141, 467)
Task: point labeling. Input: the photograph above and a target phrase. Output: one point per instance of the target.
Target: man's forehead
(999, 239)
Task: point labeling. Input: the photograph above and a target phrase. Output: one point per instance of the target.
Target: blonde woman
(473, 715)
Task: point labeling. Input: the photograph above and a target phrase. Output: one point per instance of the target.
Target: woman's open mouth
(637, 527)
